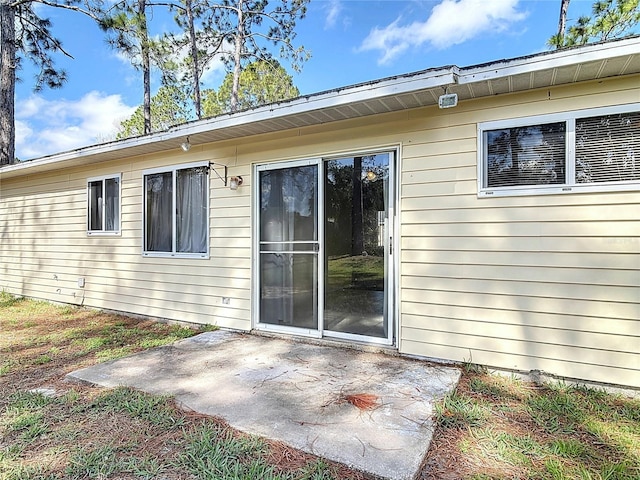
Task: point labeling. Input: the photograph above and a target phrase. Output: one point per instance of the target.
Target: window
(103, 195)
(588, 150)
(608, 148)
(176, 206)
(533, 155)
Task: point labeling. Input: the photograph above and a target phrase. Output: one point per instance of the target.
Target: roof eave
(294, 113)
(549, 60)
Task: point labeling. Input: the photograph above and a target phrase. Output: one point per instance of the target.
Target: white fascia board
(315, 102)
(441, 77)
(562, 58)
(38, 162)
(305, 104)
(78, 155)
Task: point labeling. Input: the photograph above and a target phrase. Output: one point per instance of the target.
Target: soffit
(420, 89)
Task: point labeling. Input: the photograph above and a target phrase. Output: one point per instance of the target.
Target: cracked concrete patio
(295, 392)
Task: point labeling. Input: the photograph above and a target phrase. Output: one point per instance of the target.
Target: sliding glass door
(357, 273)
(324, 247)
(289, 245)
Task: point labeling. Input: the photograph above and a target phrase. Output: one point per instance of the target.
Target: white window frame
(570, 185)
(102, 231)
(173, 169)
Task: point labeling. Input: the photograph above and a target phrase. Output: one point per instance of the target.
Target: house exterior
(503, 231)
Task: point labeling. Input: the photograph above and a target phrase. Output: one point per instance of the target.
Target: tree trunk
(237, 56)
(357, 239)
(146, 64)
(197, 100)
(7, 82)
(516, 173)
(562, 23)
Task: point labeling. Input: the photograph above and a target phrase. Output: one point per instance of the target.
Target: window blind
(608, 148)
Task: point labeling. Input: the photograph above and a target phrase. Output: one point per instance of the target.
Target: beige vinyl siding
(46, 217)
(547, 282)
(537, 282)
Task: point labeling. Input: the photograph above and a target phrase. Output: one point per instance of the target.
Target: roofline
(550, 59)
(306, 103)
(319, 101)
(407, 83)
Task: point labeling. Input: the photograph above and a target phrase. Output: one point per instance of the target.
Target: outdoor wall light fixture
(235, 182)
(448, 100)
(185, 146)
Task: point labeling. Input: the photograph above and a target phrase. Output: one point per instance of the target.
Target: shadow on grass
(41, 334)
(505, 428)
(68, 432)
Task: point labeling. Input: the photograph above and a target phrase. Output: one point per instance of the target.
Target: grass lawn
(344, 271)
(86, 432)
(498, 427)
(490, 427)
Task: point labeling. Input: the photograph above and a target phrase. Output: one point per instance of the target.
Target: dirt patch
(493, 428)
(41, 343)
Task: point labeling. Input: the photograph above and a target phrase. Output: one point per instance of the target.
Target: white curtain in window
(95, 205)
(112, 204)
(191, 210)
(159, 192)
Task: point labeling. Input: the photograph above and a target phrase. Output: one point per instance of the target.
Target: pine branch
(74, 8)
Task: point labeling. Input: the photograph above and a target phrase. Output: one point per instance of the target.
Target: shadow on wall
(42, 241)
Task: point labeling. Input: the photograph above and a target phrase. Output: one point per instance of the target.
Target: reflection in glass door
(288, 246)
(324, 249)
(357, 246)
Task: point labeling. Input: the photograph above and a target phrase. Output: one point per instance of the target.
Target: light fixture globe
(235, 182)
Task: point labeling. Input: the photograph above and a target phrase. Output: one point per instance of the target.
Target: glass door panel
(288, 246)
(357, 245)
(289, 293)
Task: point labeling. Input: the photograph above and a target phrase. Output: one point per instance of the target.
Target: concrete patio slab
(296, 392)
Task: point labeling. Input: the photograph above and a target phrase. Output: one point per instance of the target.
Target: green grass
(490, 427)
(92, 433)
(145, 468)
(345, 271)
(206, 449)
(506, 428)
(506, 448)
(99, 462)
(212, 453)
(154, 409)
(6, 366)
(458, 410)
(8, 300)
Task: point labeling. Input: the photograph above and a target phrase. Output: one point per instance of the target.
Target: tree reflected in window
(530, 155)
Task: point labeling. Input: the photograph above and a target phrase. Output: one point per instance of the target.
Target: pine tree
(126, 24)
(25, 34)
(202, 42)
(260, 83)
(610, 19)
(168, 107)
(251, 27)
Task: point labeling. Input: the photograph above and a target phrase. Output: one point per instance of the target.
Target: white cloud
(333, 9)
(44, 127)
(451, 22)
(213, 74)
(23, 132)
(215, 71)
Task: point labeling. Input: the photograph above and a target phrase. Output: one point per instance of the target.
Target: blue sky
(351, 41)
